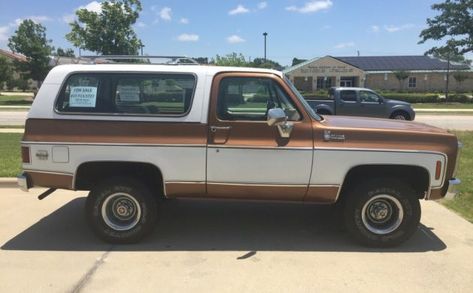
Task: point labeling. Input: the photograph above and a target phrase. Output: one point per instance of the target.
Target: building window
(385, 76)
(324, 82)
(412, 82)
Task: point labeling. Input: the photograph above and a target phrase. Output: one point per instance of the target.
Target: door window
(348, 96)
(369, 97)
(245, 98)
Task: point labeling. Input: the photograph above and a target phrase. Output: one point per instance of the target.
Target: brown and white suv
(134, 133)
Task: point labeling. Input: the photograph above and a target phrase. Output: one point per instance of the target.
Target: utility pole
(265, 34)
(142, 46)
(448, 77)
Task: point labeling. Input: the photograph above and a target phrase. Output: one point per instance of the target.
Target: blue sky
(296, 28)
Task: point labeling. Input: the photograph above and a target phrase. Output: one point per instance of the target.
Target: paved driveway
(457, 122)
(212, 246)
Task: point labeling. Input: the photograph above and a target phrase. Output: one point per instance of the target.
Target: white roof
(57, 74)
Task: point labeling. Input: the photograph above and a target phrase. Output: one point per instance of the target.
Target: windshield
(302, 99)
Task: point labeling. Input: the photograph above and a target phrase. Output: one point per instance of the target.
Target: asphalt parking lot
(224, 246)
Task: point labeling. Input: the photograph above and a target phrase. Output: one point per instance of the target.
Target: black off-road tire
(364, 210)
(111, 202)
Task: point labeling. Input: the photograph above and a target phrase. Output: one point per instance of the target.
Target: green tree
(108, 32)
(262, 63)
(296, 61)
(6, 72)
(30, 40)
(60, 52)
(233, 59)
(460, 77)
(401, 75)
(454, 23)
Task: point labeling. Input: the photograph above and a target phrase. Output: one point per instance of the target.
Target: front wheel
(400, 115)
(382, 213)
(121, 210)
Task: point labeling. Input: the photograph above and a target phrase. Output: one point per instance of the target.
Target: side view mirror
(276, 116)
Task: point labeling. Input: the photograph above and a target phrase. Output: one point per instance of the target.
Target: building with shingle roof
(425, 73)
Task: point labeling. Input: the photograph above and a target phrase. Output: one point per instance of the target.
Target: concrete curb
(443, 110)
(8, 182)
(15, 107)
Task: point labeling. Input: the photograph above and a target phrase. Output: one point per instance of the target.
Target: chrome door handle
(215, 128)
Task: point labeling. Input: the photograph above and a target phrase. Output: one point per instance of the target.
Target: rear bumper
(452, 188)
(23, 182)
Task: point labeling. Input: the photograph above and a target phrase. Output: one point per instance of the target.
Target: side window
(157, 94)
(348, 96)
(81, 93)
(153, 94)
(242, 98)
(412, 82)
(369, 97)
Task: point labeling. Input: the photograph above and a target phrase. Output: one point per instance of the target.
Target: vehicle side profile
(351, 101)
(132, 134)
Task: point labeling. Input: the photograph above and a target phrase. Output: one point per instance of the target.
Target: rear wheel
(382, 212)
(121, 210)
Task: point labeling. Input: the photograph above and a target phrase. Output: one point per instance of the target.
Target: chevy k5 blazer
(134, 133)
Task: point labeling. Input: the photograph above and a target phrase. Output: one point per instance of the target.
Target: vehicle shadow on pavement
(207, 225)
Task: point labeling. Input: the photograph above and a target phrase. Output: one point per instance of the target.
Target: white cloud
(262, 5)
(311, 6)
(165, 13)
(188, 38)
(4, 32)
(68, 18)
(344, 45)
(396, 28)
(375, 29)
(184, 20)
(235, 39)
(240, 9)
(93, 6)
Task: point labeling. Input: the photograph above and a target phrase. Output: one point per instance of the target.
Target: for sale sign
(83, 96)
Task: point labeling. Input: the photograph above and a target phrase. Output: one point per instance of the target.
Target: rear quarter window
(127, 94)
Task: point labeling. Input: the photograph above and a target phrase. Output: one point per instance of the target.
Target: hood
(373, 124)
(396, 102)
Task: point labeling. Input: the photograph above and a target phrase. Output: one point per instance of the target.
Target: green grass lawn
(12, 126)
(15, 100)
(442, 106)
(10, 166)
(463, 204)
(10, 158)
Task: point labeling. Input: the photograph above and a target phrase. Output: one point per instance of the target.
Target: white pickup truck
(135, 133)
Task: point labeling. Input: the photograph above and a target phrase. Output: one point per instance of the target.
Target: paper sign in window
(129, 93)
(83, 96)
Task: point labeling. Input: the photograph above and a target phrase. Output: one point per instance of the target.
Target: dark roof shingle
(392, 63)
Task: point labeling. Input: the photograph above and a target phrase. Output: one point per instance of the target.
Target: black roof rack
(169, 60)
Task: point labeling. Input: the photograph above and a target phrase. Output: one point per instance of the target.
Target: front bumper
(23, 182)
(452, 188)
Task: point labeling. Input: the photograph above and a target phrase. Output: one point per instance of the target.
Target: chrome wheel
(121, 211)
(382, 214)
(400, 117)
